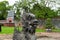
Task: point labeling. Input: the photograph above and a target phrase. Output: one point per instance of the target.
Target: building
(9, 20)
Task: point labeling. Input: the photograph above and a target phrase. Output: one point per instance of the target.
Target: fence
(55, 22)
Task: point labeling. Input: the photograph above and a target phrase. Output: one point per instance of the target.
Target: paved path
(41, 36)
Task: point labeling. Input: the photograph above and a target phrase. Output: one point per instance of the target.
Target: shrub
(48, 24)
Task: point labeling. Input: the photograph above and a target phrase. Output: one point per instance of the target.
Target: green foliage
(19, 5)
(48, 24)
(39, 10)
(42, 12)
(3, 9)
(17, 15)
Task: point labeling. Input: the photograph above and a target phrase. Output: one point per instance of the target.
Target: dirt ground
(40, 36)
(48, 36)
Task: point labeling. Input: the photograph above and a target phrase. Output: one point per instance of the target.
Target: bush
(48, 24)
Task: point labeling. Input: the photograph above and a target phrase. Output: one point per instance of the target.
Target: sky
(11, 2)
(55, 6)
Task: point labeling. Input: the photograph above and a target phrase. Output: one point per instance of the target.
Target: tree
(39, 10)
(24, 4)
(43, 3)
(3, 9)
(42, 11)
(58, 12)
(48, 23)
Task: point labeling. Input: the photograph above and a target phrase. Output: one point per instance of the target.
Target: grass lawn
(10, 30)
(56, 30)
(7, 30)
(40, 30)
